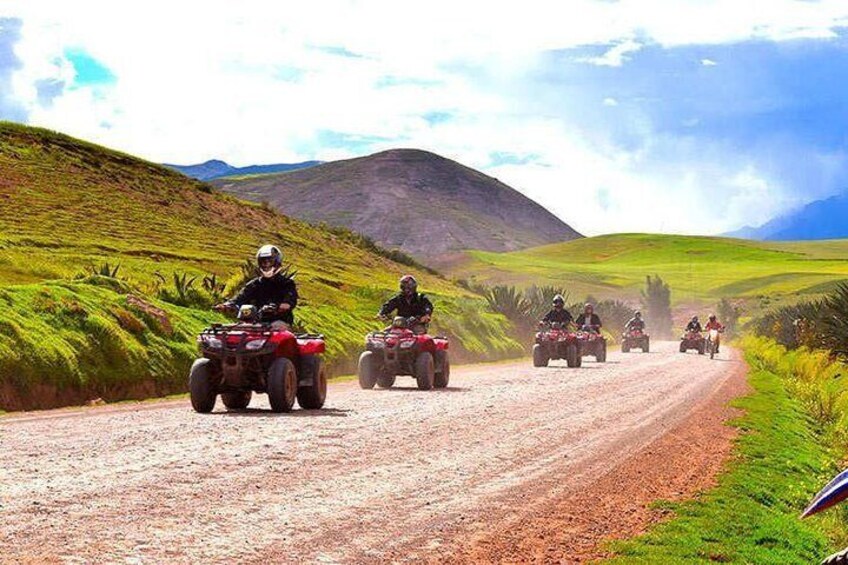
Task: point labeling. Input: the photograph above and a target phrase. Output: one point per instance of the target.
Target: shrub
(656, 299)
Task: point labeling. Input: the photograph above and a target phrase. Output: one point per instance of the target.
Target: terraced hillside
(697, 268)
(67, 333)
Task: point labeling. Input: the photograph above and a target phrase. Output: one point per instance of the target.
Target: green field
(67, 207)
(699, 269)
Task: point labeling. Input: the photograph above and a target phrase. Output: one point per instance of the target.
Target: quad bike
(253, 355)
(398, 350)
(693, 340)
(713, 342)
(635, 339)
(591, 342)
(832, 494)
(555, 341)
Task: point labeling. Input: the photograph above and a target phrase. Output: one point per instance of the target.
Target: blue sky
(629, 115)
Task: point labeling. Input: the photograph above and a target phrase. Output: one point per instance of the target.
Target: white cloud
(708, 63)
(249, 83)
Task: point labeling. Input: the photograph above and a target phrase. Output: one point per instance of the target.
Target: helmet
(712, 317)
(637, 314)
(694, 318)
(559, 300)
(269, 260)
(589, 307)
(408, 284)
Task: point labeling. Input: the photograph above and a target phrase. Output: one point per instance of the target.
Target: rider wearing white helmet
(270, 287)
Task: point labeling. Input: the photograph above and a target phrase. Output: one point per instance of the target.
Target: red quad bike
(398, 350)
(255, 356)
(555, 341)
(635, 339)
(693, 340)
(592, 343)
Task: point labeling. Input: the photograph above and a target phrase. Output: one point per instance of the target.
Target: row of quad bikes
(561, 341)
(698, 342)
(257, 356)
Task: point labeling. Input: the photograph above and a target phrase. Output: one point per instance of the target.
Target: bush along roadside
(783, 456)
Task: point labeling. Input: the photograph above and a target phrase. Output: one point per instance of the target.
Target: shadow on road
(266, 413)
(437, 390)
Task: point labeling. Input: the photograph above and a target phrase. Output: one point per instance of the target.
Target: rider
(694, 325)
(589, 318)
(270, 287)
(636, 323)
(714, 324)
(409, 303)
(558, 314)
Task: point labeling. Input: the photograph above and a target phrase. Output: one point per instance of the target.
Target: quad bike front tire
(367, 370)
(701, 349)
(540, 358)
(572, 356)
(425, 371)
(625, 347)
(646, 347)
(236, 400)
(281, 385)
(442, 377)
(601, 354)
(386, 381)
(202, 390)
(312, 397)
(682, 347)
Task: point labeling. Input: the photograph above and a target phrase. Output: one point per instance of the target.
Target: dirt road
(399, 475)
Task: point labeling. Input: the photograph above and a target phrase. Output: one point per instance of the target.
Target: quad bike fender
(310, 346)
(426, 344)
(441, 344)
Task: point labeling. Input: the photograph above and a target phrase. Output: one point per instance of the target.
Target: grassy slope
(752, 516)
(697, 268)
(67, 205)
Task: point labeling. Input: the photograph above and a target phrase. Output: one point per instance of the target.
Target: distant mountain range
(822, 219)
(417, 201)
(216, 168)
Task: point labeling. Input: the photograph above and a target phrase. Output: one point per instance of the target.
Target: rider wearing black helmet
(636, 323)
(558, 313)
(694, 325)
(408, 302)
(270, 287)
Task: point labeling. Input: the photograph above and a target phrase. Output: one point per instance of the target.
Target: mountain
(822, 219)
(107, 265)
(216, 168)
(414, 200)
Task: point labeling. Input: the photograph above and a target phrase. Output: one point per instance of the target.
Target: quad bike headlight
(255, 344)
(407, 344)
(211, 342)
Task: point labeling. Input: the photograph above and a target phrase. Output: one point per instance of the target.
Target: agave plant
(213, 286)
(105, 270)
(510, 302)
(540, 298)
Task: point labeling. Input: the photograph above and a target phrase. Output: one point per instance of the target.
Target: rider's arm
(388, 307)
(426, 305)
(245, 296)
(290, 296)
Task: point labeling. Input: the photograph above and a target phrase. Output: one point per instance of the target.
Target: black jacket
(561, 316)
(694, 327)
(417, 305)
(595, 320)
(262, 291)
(634, 324)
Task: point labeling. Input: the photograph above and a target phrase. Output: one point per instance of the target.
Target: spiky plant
(510, 302)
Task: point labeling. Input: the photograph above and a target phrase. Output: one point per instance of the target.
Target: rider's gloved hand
(424, 319)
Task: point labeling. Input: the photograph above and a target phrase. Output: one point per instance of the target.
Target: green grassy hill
(66, 335)
(699, 269)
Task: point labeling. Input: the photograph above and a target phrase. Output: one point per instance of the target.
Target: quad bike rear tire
(601, 354)
(386, 381)
(442, 377)
(572, 356)
(312, 397)
(281, 385)
(236, 400)
(200, 385)
(367, 370)
(425, 371)
(540, 358)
